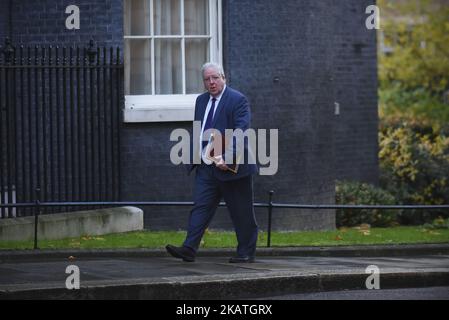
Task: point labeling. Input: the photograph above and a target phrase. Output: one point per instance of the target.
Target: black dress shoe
(245, 259)
(184, 253)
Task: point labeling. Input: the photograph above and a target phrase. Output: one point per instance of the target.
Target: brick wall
(293, 59)
(356, 141)
(280, 54)
(291, 41)
(4, 20)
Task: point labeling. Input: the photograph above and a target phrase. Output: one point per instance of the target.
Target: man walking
(221, 108)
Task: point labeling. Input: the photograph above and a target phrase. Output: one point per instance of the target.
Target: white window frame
(175, 107)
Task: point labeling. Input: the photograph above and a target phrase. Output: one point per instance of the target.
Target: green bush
(414, 166)
(357, 193)
(438, 223)
(396, 102)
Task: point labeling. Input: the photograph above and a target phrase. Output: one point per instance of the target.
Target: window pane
(138, 71)
(137, 17)
(168, 66)
(197, 53)
(196, 17)
(167, 17)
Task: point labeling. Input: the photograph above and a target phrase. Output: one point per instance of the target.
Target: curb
(338, 251)
(216, 287)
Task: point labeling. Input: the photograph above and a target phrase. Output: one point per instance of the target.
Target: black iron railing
(59, 125)
(38, 207)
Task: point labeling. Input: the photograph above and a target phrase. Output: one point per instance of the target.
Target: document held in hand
(214, 152)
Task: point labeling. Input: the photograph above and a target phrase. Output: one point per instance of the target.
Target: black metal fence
(40, 207)
(59, 125)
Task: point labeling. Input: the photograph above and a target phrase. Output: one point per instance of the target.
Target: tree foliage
(417, 31)
(357, 193)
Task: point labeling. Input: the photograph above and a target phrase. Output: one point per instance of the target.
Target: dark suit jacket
(232, 112)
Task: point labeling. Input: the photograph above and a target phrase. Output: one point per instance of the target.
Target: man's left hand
(220, 163)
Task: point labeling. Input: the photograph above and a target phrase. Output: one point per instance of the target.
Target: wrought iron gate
(59, 125)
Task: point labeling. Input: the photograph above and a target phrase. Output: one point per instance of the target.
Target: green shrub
(356, 193)
(414, 166)
(438, 223)
(415, 106)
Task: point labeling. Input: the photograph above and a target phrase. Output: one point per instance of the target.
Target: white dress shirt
(208, 107)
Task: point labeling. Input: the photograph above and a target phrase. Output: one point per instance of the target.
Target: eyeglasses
(211, 78)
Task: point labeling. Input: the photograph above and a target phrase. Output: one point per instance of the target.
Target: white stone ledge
(73, 224)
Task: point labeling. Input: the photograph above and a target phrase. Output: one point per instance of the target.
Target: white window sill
(163, 108)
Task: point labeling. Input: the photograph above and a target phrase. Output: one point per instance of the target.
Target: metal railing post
(270, 214)
(37, 211)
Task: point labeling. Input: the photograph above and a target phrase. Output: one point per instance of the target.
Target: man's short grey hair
(213, 65)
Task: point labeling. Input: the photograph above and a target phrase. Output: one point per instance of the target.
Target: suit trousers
(238, 195)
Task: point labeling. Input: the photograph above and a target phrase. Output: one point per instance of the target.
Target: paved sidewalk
(152, 274)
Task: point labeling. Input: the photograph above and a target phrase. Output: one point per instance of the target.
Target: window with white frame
(166, 43)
